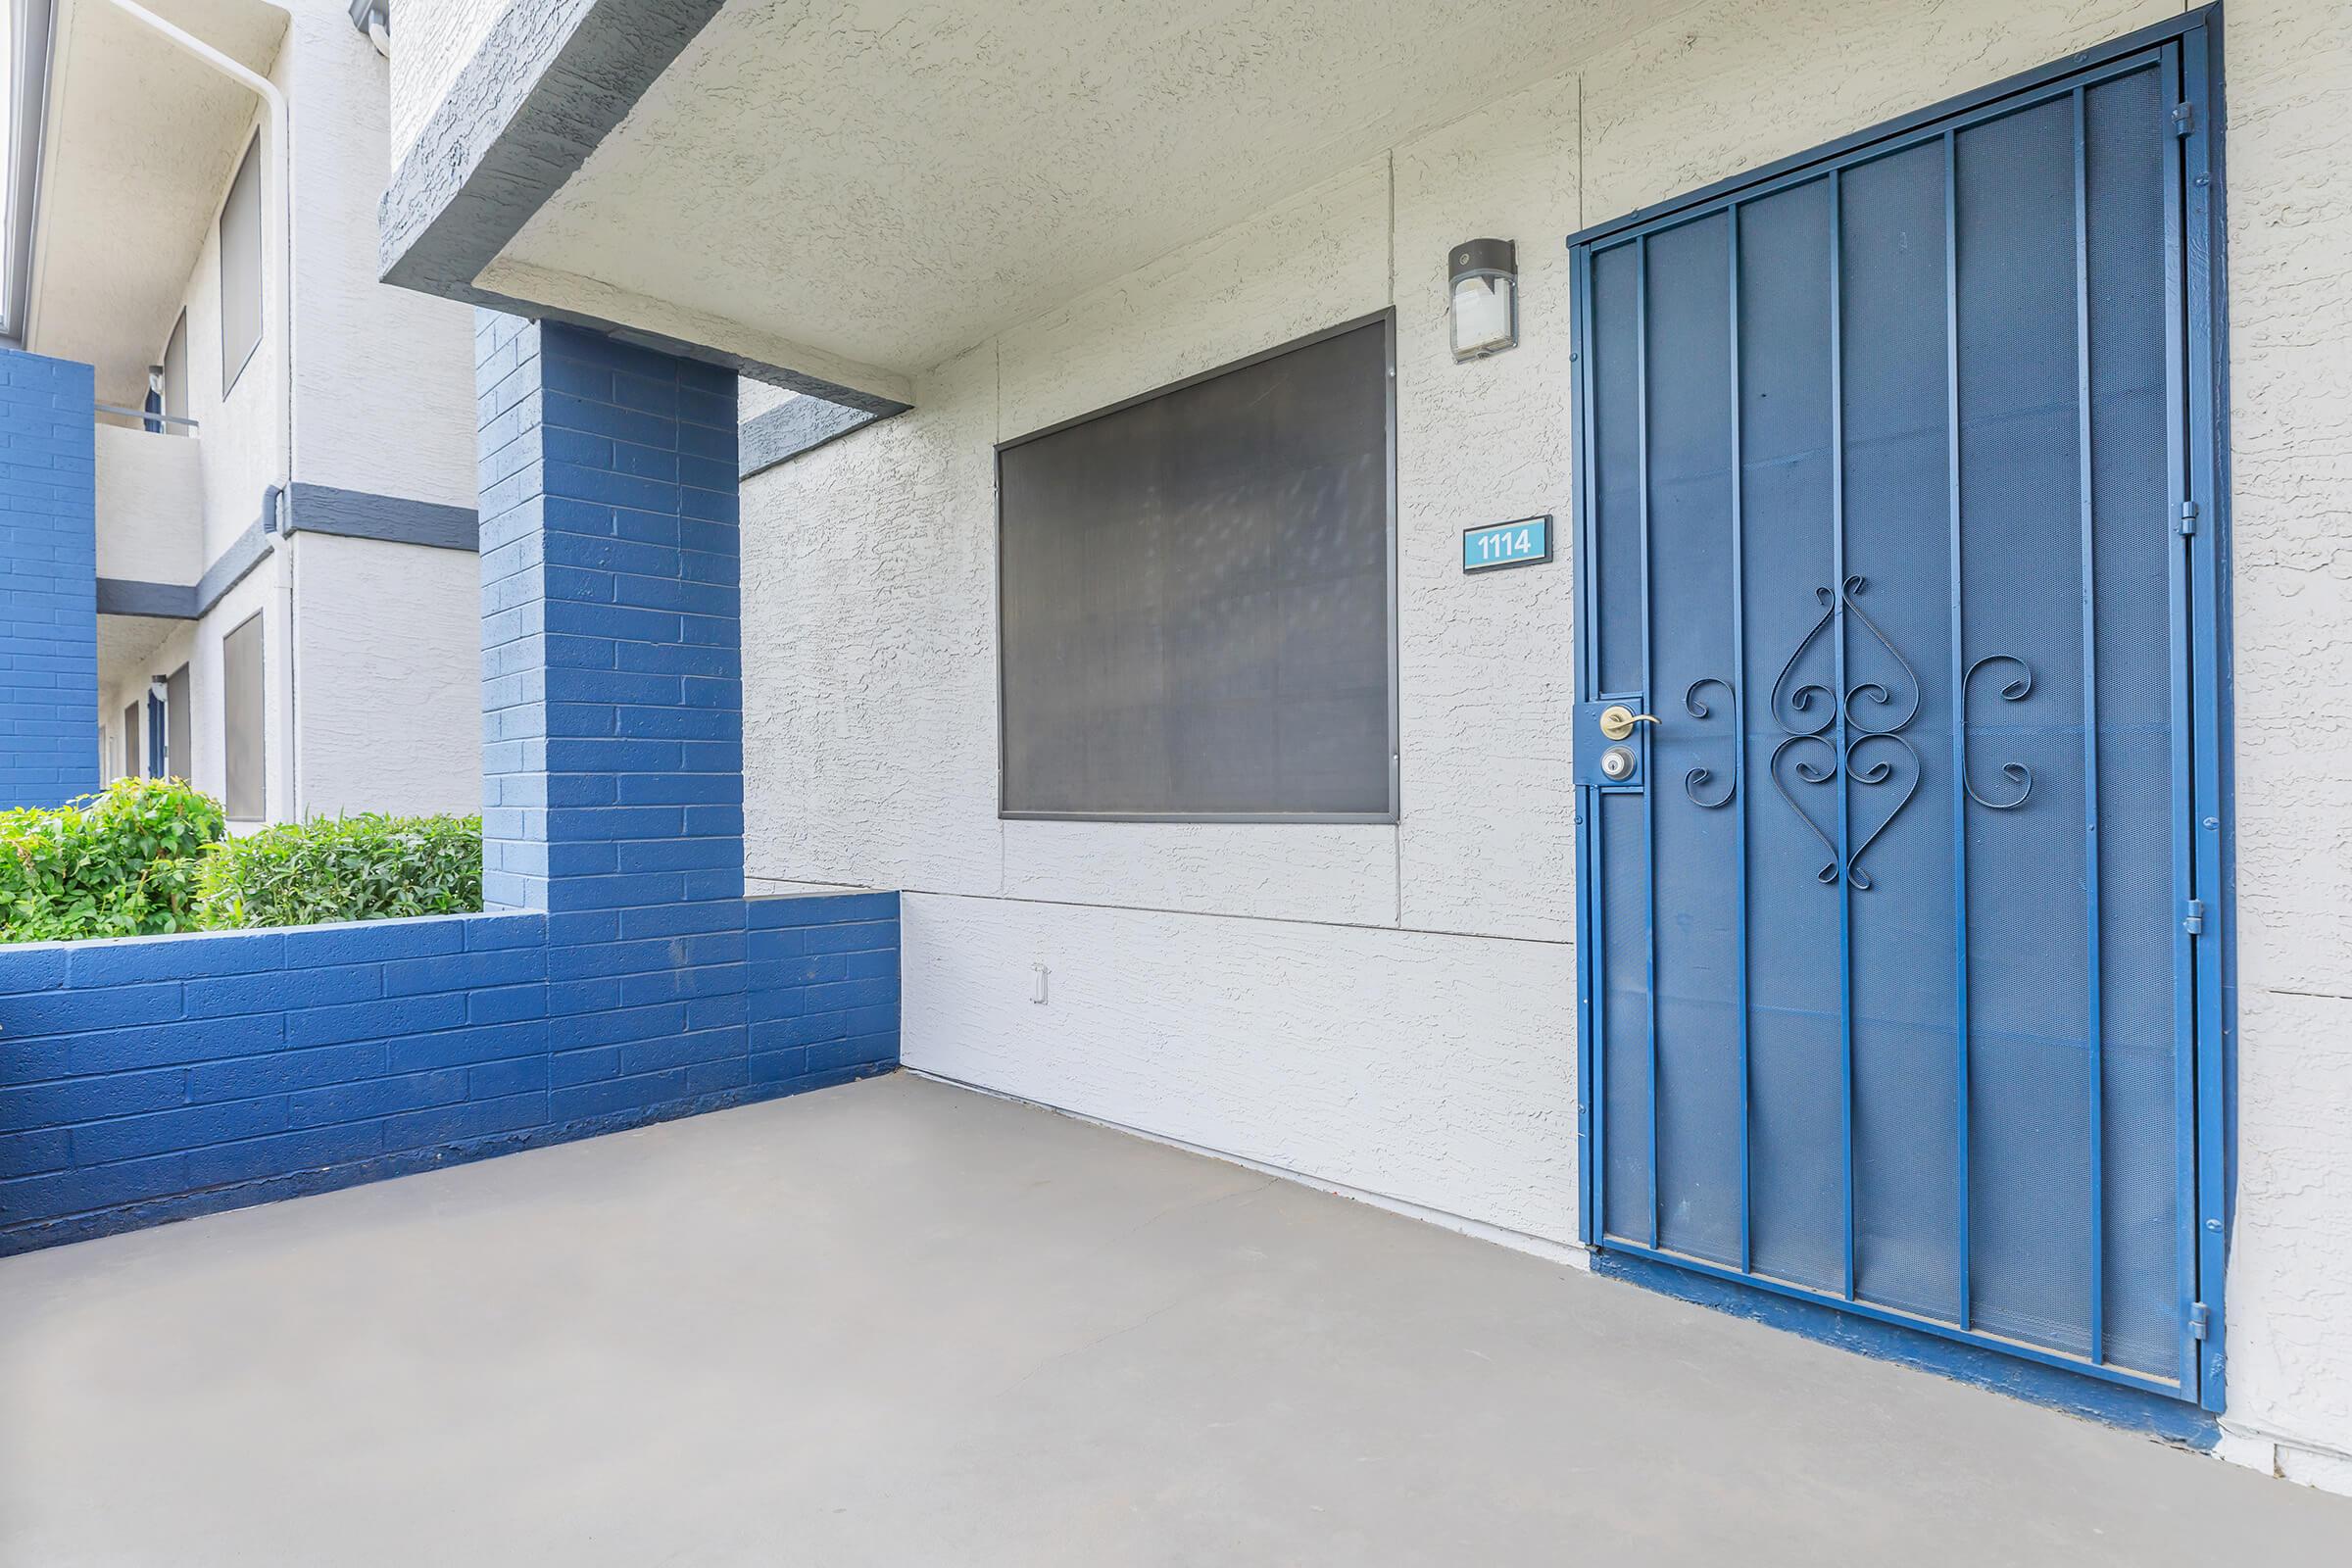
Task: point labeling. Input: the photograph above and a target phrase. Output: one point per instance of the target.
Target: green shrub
(117, 863)
(370, 868)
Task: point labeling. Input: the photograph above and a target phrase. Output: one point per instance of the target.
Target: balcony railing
(172, 423)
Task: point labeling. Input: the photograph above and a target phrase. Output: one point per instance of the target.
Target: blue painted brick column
(48, 581)
(612, 690)
(612, 713)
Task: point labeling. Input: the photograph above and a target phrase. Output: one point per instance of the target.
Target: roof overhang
(835, 195)
(138, 143)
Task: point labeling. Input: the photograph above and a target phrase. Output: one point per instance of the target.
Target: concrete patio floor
(902, 1323)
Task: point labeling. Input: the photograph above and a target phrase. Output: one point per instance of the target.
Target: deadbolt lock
(1617, 721)
(1617, 764)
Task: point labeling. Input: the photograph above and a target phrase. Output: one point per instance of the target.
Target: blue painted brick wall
(622, 976)
(157, 1077)
(48, 581)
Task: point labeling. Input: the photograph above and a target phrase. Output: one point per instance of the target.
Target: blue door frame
(2179, 59)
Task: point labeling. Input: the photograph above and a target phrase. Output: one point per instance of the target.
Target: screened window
(130, 740)
(241, 267)
(1196, 598)
(242, 703)
(179, 761)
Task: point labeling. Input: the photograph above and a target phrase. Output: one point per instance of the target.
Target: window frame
(250, 162)
(1385, 318)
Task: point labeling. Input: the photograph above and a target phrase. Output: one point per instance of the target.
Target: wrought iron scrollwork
(1811, 772)
(1884, 770)
(1874, 714)
(1870, 691)
(1787, 700)
(1699, 778)
(2015, 690)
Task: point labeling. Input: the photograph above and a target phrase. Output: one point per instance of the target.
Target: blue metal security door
(1899, 725)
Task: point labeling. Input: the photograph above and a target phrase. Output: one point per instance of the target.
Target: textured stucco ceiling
(140, 142)
(890, 183)
(127, 642)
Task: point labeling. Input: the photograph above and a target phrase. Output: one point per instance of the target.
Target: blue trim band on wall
(162, 601)
(394, 519)
(229, 569)
(312, 509)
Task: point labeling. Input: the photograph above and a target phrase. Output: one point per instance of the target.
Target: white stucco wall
(384, 376)
(2289, 174)
(150, 507)
(1428, 959)
(388, 666)
(1391, 1008)
(243, 432)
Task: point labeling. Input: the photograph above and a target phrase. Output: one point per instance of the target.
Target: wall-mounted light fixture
(1484, 312)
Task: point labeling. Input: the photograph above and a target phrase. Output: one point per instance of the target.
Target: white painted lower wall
(1390, 1008)
(388, 672)
(150, 505)
(1433, 1070)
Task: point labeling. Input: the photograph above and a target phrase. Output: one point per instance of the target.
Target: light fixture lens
(1482, 277)
(1483, 315)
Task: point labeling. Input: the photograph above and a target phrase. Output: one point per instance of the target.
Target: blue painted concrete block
(49, 565)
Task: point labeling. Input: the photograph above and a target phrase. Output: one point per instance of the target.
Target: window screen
(178, 760)
(241, 267)
(1196, 599)
(242, 715)
(175, 375)
(130, 740)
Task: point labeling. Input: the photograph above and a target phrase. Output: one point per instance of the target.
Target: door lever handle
(1617, 721)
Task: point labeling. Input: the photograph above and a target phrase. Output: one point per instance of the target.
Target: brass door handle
(1617, 721)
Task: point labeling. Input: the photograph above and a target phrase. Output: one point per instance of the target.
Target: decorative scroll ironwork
(1800, 699)
(1874, 714)
(1699, 778)
(1870, 690)
(1881, 771)
(2017, 690)
(1812, 773)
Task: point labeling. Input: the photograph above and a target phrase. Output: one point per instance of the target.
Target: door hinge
(2188, 518)
(2192, 917)
(2200, 1320)
(2185, 118)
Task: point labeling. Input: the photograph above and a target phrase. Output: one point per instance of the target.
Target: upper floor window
(241, 267)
